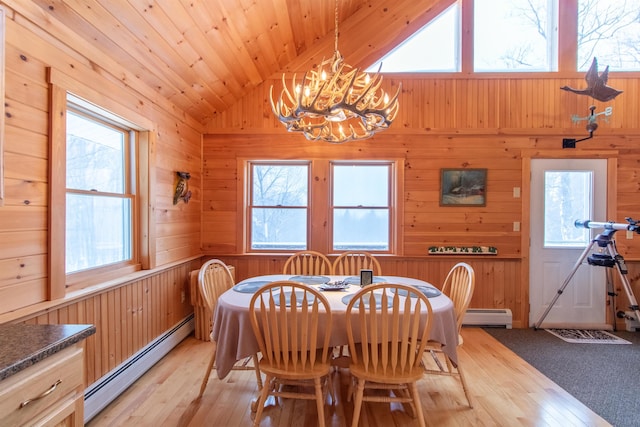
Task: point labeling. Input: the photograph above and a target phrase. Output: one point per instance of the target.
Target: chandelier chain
(336, 28)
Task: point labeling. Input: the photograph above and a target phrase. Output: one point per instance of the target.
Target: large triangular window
(434, 48)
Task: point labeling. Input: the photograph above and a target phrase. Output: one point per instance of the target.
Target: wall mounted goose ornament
(596, 84)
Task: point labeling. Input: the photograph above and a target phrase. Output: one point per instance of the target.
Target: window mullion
(567, 36)
(319, 209)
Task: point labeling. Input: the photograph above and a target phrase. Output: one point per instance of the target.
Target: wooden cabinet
(49, 393)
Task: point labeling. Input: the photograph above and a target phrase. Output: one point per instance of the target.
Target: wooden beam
(568, 35)
(57, 191)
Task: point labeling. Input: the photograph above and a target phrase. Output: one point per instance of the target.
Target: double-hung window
(278, 208)
(100, 199)
(347, 205)
(361, 206)
(101, 194)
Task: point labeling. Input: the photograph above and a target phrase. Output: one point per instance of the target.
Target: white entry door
(563, 191)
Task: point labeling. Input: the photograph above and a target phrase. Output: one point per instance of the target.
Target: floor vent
(108, 388)
(494, 317)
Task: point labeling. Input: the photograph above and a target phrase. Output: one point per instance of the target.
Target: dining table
(234, 335)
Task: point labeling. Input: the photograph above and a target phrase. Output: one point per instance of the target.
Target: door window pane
(568, 197)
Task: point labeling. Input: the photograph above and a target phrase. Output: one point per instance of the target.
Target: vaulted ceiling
(204, 55)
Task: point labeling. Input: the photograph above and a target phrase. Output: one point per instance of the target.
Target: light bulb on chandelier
(335, 103)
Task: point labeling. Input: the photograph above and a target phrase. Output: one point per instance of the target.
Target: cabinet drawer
(27, 394)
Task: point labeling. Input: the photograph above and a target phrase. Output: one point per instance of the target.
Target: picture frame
(366, 278)
(463, 187)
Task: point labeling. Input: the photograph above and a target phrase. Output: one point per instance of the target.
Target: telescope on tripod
(607, 257)
(631, 225)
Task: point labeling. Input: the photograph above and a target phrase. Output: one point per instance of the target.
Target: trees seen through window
(523, 35)
(356, 200)
(99, 201)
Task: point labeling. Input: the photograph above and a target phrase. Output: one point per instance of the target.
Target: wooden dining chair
(351, 262)
(458, 286)
(214, 278)
(308, 263)
(387, 334)
(292, 324)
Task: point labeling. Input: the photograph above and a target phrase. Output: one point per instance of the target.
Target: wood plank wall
(444, 122)
(525, 104)
(129, 316)
(499, 277)
(33, 43)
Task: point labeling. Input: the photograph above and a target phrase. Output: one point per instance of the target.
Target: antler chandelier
(336, 102)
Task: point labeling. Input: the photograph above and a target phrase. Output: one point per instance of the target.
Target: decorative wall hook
(182, 188)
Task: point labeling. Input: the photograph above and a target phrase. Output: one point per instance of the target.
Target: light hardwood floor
(506, 391)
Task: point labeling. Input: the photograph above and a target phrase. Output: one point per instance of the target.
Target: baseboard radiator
(493, 317)
(108, 388)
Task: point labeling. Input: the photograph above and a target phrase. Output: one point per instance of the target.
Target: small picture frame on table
(366, 277)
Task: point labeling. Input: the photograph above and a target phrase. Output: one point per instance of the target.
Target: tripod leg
(564, 285)
(622, 269)
(612, 295)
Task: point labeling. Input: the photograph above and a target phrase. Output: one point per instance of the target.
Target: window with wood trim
(291, 206)
(278, 209)
(521, 36)
(361, 206)
(100, 220)
(100, 201)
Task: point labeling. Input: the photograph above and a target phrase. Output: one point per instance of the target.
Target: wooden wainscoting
(498, 282)
(126, 317)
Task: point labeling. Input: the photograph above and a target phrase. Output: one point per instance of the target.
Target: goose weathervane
(597, 89)
(596, 84)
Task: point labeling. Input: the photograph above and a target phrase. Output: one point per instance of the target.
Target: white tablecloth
(235, 340)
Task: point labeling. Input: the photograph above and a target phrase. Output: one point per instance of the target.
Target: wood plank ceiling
(204, 55)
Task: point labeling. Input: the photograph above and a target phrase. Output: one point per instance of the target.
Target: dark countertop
(23, 345)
